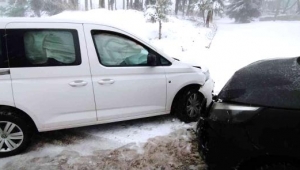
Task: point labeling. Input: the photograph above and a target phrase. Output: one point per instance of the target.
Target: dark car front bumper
(222, 144)
(231, 134)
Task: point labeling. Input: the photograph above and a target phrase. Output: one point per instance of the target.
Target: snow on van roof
(6, 20)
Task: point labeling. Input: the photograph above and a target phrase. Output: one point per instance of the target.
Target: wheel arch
(179, 93)
(22, 114)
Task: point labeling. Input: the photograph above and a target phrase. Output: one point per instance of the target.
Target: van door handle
(78, 83)
(4, 71)
(106, 81)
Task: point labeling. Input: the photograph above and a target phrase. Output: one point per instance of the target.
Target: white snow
(234, 46)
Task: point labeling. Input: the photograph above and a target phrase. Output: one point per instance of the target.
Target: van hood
(268, 83)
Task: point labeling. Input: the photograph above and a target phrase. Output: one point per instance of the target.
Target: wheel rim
(193, 106)
(11, 136)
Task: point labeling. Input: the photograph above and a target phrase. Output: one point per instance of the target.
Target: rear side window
(43, 47)
(3, 57)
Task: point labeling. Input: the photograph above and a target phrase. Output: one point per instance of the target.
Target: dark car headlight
(232, 113)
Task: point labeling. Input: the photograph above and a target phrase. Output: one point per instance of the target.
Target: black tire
(180, 108)
(17, 125)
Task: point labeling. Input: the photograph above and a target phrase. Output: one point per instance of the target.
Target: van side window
(115, 50)
(3, 57)
(43, 47)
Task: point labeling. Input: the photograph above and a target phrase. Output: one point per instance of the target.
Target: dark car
(255, 121)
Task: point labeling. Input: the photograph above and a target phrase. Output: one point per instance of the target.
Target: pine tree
(16, 8)
(244, 10)
(36, 6)
(158, 13)
(209, 8)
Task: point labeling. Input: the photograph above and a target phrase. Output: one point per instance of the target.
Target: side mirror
(151, 60)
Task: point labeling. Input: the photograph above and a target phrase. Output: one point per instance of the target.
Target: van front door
(50, 74)
(125, 86)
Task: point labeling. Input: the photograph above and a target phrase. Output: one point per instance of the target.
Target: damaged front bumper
(207, 90)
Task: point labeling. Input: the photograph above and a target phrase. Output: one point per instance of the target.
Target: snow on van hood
(269, 83)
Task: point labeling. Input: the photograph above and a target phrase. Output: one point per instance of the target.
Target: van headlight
(207, 75)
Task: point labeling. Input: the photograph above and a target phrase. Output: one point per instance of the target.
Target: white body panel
(6, 97)
(45, 93)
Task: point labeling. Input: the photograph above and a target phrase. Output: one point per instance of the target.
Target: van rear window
(38, 48)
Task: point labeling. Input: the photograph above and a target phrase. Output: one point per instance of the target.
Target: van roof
(6, 20)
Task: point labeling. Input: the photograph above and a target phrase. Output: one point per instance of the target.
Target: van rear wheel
(189, 105)
(14, 134)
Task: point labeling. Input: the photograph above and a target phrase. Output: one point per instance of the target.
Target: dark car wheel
(189, 105)
(14, 134)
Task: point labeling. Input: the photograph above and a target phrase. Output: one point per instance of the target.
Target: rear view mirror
(151, 60)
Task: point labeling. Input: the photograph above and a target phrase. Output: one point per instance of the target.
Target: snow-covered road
(169, 143)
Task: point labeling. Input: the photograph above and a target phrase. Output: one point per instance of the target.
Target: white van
(57, 74)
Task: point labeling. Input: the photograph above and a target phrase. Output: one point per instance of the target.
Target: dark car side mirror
(152, 59)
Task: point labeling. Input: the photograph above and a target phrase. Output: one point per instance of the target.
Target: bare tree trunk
(188, 8)
(131, 5)
(101, 3)
(91, 4)
(183, 4)
(277, 9)
(298, 4)
(207, 20)
(74, 4)
(115, 4)
(176, 6)
(159, 31)
(123, 4)
(112, 5)
(203, 16)
(86, 5)
(127, 4)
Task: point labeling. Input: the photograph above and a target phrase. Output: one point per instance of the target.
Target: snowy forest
(242, 11)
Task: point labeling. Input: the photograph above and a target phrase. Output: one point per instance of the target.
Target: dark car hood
(269, 83)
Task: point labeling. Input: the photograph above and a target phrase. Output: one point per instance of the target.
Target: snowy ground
(159, 142)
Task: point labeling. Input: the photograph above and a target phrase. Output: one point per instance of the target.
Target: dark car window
(3, 57)
(43, 47)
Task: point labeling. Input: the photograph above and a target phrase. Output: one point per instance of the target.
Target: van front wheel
(189, 105)
(14, 134)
